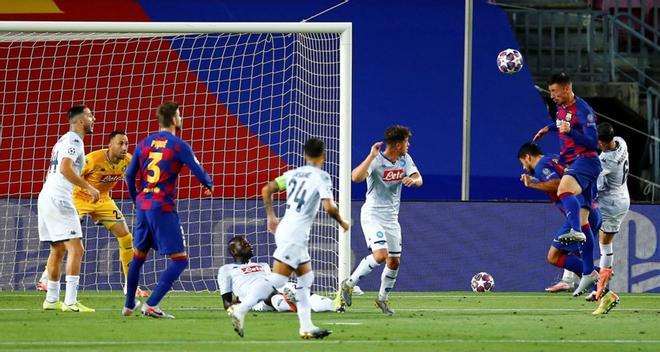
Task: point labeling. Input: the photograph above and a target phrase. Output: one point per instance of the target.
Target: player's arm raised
(361, 172)
(70, 174)
(544, 130)
(279, 184)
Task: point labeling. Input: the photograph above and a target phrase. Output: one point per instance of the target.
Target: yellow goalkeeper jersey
(102, 174)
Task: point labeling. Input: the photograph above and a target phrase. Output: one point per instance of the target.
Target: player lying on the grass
(612, 195)
(235, 279)
(578, 138)
(158, 161)
(386, 172)
(543, 173)
(58, 219)
(103, 169)
(306, 188)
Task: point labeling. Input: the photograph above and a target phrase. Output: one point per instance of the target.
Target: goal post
(251, 94)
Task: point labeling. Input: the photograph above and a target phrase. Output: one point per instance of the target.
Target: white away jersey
(305, 187)
(612, 180)
(384, 185)
(237, 278)
(69, 146)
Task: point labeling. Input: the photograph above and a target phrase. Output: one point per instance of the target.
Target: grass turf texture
(447, 321)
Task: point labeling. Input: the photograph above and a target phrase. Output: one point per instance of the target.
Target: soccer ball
(509, 61)
(482, 282)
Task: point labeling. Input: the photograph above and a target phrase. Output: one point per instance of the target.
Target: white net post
(251, 94)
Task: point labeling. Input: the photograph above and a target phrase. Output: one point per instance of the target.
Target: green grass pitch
(424, 321)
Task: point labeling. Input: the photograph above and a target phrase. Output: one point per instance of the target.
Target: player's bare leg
(388, 278)
(75, 251)
(125, 239)
(304, 307)
(52, 301)
(367, 265)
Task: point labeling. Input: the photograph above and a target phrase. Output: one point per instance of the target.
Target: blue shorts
(585, 170)
(595, 221)
(161, 231)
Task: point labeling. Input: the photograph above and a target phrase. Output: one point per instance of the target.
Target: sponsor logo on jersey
(393, 175)
(252, 269)
(111, 178)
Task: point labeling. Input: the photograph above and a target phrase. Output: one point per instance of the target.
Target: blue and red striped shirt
(158, 160)
(582, 140)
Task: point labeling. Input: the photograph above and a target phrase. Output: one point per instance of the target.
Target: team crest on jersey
(393, 175)
(123, 168)
(402, 162)
(590, 117)
(568, 117)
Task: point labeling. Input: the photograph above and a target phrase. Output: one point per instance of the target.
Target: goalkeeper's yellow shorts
(105, 211)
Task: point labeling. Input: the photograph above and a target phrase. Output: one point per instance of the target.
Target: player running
(306, 187)
(103, 169)
(58, 219)
(578, 140)
(612, 195)
(158, 160)
(237, 278)
(385, 173)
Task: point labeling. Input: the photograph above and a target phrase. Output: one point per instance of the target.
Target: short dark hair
(314, 147)
(114, 133)
(166, 113)
(75, 110)
(396, 133)
(559, 78)
(605, 132)
(529, 149)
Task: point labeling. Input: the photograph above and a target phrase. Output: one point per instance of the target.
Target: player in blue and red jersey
(578, 139)
(157, 162)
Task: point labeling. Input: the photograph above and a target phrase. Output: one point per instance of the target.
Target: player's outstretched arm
(545, 186)
(361, 172)
(267, 195)
(67, 171)
(331, 208)
(542, 132)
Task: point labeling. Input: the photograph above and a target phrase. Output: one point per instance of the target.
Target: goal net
(248, 100)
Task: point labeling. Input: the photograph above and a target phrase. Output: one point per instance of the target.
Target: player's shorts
(585, 170)
(292, 254)
(381, 234)
(58, 219)
(595, 221)
(105, 211)
(161, 231)
(614, 210)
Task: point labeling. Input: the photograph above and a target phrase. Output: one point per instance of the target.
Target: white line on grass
(205, 295)
(364, 310)
(51, 343)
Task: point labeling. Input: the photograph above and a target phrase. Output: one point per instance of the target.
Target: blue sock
(134, 269)
(174, 269)
(572, 206)
(571, 263)
(587, 251)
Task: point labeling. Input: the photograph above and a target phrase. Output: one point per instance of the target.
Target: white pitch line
(51, 343)
(364, 310)
(485, 296)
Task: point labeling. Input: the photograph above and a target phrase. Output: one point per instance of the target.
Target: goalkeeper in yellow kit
(103, 169)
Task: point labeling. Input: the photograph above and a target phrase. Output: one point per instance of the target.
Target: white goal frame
(345, 70)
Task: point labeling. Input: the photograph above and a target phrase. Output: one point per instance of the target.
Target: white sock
(260, 290)
(568, 276)
(71, 294)
(367, 265)
(53, 293)
(279, 303)
(387, 281)
(44, 276)
(606, 255)
(304, 306)
(321, 304)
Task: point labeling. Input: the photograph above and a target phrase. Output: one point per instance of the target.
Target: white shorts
(58, 219)
(291, 254)
(613, 210)
(381, 234)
